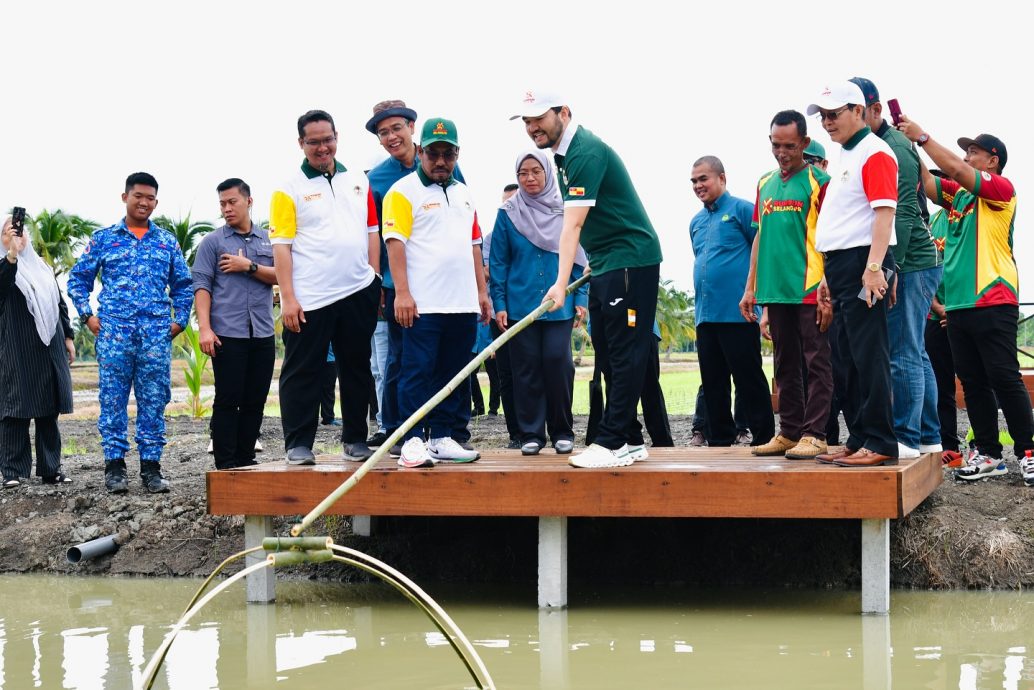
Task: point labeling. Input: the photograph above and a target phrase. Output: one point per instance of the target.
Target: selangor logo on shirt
(781, 205)
(440, 129)
(576, 191)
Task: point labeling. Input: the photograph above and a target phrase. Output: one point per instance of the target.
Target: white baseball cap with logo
(536, 103)
(837, 95)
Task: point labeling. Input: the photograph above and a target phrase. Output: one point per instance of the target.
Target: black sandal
(59, 478)
(11, 483)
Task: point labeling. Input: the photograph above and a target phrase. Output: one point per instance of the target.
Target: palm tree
(58, 237)
(674, 316)
(187, 233)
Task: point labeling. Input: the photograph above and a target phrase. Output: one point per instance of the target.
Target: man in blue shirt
(722, 235)
(145, 302)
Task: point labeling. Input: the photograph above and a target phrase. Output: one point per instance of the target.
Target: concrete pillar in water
(261, 585)
(552, 562)
(876, 566)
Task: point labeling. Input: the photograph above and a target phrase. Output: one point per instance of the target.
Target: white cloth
(36, 281)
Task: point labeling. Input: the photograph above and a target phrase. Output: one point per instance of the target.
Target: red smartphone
(895, 110)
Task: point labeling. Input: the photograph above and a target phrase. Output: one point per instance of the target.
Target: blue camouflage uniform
(143, 283)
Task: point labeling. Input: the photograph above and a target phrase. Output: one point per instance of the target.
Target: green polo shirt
(617, 232)
(914, 250)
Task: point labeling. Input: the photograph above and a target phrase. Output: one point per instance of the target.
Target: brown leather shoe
(830, 458)
(865, 458)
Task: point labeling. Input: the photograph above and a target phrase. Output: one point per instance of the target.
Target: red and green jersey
(939, 232)
(979, 267)
(786, 212)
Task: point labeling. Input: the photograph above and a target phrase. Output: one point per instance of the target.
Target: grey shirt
(242, 305)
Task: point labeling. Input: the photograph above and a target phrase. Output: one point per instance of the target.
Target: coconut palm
(674, 316)
(187, 233)
(58, 237)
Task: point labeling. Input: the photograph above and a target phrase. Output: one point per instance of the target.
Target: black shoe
(514, 444)
(244, 463)
(154, 482)
(465, 445)
(493, 413)
(357, 452)
(115, 479)
(396, 450)
(377, 439)
(477, 413)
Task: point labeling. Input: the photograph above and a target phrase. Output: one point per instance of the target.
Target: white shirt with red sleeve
(865, 178)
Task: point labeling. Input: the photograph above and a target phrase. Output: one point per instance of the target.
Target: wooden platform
(673, 482)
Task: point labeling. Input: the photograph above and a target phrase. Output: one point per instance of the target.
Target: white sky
(195, 92)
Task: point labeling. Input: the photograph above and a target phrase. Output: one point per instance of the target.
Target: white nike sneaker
(446, 449)
(598, 456)
(414, 454)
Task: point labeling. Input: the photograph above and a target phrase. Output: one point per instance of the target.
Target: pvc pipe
(89, 550)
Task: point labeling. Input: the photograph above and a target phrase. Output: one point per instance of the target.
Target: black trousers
(543, 381)
(477, 398)
(655, 411)
(505, 370)
(733, 350)
(348, 324)
(16, 452)
(328, 392)
(983, 347)
(492, 370)
(841, 400)
(939, 351)
(700, 417)
(863, 352)
(622, 309)
(243, 369)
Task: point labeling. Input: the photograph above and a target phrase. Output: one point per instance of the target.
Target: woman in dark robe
(35, 351)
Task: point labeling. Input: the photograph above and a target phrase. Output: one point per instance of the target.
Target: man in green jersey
(785, 276)
(603, 212)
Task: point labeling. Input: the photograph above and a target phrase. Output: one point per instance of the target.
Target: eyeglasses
(812, 160)
(317, 143)
(448, 154)
(832, 115)
(534, 172)
(388, 131)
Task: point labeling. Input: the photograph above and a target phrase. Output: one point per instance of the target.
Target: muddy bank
(965, 536)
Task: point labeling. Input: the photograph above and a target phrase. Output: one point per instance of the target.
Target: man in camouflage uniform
(145, 302)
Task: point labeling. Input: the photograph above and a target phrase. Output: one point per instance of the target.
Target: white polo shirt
(438, 226)
(865, 178)
(327, 221)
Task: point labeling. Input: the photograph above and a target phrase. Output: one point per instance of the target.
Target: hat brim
(408, 113)
(434, 140)
(533, 112)
(825, 104)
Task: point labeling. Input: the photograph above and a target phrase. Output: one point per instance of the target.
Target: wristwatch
(923, 138)
(874, 267)
(83, 318)
(252, 268)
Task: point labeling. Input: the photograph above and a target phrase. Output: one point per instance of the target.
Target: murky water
(85, 633)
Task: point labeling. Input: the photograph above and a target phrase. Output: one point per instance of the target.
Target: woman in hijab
(35, 351)
(523, 265)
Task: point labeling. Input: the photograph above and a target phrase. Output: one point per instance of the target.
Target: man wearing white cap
(602, 211)
(854, 233)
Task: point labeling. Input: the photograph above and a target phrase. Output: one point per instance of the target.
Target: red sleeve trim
(995, 187)
(476, 230)
(880, 177)
(371, 209)
(756, 218)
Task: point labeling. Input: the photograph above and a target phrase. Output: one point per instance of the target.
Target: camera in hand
(18, 220)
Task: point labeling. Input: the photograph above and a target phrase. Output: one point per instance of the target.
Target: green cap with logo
(439, 129)
(815, 149)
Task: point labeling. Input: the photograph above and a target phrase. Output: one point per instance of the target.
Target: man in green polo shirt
(602, 211)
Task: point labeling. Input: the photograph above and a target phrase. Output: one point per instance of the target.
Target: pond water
(86, 633)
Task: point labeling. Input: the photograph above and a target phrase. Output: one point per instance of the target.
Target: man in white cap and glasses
(603, 213)
(854, 233)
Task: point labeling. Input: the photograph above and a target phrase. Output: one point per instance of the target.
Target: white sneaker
(211, 447)
(925, 448)
(638, 453)
(598, 456)
(905, 453)
(1027, 468)
(414, 454)
(446, 449)
(258, 446)
(979, 466)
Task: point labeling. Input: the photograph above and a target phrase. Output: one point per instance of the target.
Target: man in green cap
(434, 248)
(815, 154)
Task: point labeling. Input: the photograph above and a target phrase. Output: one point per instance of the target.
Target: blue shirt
(140, 279)
(382, 176)
(242, 305)
(522, 274)
(722, 236)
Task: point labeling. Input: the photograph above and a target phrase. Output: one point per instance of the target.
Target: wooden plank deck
(673, 482)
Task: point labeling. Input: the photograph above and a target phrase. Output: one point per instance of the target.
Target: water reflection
(99, 633)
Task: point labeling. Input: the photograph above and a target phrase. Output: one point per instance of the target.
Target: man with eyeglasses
(854, 233)
(603, 212)
(323, 228)
(815, 154)
(430, 226)
(785, 274)
(393, 123)
(981, 295)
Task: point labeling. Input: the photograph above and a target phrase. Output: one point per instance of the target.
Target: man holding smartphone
(854, 233)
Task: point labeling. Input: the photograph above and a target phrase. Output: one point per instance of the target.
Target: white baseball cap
(837, 95)
(536, 103)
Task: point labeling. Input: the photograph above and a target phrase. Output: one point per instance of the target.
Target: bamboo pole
(399, 433)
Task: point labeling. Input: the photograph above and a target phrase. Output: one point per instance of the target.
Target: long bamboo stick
(399, 433)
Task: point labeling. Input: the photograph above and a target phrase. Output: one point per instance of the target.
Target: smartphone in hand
(895, 110)
(888, 273)
(18, 220)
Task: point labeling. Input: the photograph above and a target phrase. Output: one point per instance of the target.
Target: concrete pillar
(362, 525)
(552, 562)
(876, 566)
(876, 652)
(260, 585)
(553, 649)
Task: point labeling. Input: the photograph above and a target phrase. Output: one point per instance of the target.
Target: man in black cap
(981, 295)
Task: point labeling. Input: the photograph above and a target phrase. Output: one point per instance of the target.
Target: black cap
(386, 109)
(872, 95)
(989, 143)
(938, 173)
